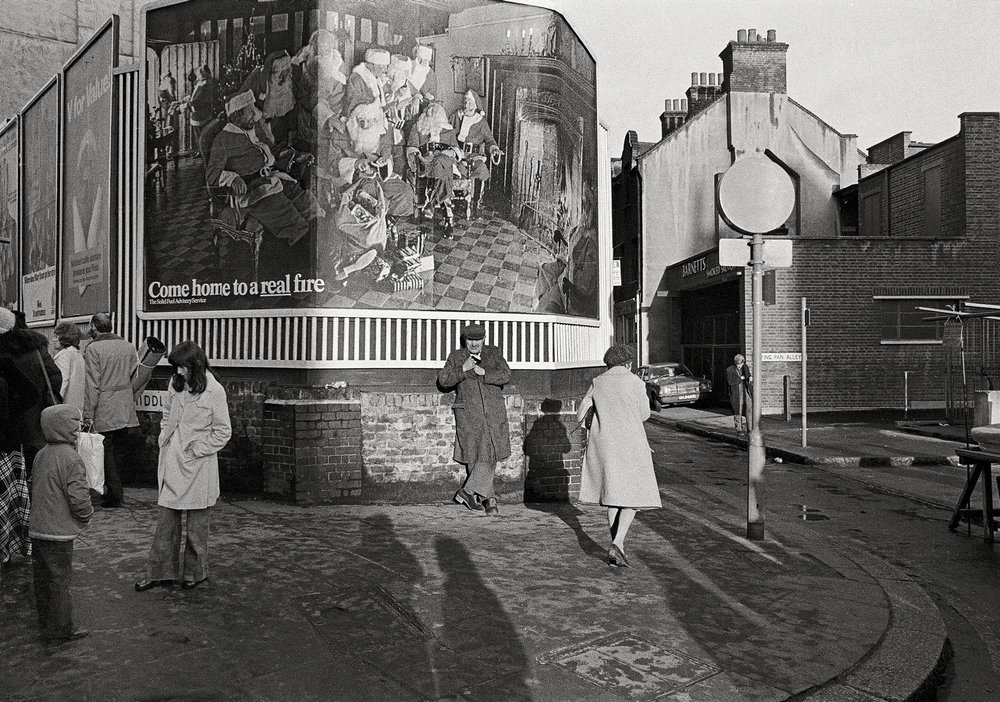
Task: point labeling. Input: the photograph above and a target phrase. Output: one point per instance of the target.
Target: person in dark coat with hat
(477, 372)
(29, 351)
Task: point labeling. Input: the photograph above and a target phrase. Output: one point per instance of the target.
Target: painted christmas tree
(233, 74)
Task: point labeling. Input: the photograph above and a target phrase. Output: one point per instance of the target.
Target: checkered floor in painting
(488, 265)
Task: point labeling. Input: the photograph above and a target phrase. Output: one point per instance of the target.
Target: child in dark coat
(60, 511)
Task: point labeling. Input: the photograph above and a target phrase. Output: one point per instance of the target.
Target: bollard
(906, 394)
(786, 382)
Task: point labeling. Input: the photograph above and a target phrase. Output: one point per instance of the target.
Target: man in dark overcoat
(739, 381)
(477, 373)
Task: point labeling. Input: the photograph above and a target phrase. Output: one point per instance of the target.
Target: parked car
(673, 384)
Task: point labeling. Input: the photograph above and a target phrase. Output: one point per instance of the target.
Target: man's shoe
(490, 504)
(464, 497)
(144, 585)
(191, 584)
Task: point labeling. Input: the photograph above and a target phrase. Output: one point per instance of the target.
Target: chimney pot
(772, 35)
(741, 36)
(694, 79)
(711, 79)
(751, 35)
(677, 106)
(684, 105)
(703, 79)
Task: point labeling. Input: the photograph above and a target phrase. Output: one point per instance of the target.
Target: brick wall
(553, 451)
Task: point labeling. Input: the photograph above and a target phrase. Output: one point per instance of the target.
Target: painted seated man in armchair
(243, 159)
(476, 139)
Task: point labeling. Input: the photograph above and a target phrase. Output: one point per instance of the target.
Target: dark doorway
(711, 331)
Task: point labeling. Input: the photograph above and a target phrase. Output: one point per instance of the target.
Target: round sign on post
(756, 195)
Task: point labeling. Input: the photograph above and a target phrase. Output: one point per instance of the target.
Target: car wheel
(654, 402)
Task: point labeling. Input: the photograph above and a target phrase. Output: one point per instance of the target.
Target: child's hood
(61, 424)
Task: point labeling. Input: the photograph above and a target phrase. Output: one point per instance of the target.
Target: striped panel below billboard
(348, 341)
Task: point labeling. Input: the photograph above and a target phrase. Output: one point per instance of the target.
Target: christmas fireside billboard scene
(385, 155)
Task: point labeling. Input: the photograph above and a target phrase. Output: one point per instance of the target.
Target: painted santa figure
(360, 161)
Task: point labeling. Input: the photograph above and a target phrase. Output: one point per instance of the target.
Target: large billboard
(9, 282)
(393, 154)
(88, 176)
(39, 205)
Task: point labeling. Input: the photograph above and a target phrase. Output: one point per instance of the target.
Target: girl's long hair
(189, 355)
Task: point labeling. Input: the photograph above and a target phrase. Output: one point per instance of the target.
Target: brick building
(874, 236)
(332, 387)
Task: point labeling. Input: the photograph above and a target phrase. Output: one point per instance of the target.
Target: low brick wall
(380, 447)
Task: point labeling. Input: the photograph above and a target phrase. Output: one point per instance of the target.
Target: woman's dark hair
(618, 355)
(68, 334)
(188, 354)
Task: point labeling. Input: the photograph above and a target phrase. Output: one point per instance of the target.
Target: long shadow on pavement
(570, 515)
(477, 629)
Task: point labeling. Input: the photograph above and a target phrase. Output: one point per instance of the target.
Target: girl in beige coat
(195, 427)
(618, 463)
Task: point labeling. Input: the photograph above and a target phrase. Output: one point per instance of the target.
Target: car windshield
(668, 371)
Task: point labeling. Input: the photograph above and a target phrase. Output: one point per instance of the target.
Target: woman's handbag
(91, 450)
(588, 418)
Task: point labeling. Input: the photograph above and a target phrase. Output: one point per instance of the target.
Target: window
(932, 201)
(903, 323)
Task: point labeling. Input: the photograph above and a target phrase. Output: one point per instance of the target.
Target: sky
(868, 67)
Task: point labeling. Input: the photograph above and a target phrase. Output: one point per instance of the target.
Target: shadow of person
(491, 661)
(373, 609)
(570, 515)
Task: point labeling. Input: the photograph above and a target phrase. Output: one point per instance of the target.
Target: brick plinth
(553, 451)
(312, 450)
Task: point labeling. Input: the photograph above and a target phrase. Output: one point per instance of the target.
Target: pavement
(432, 602)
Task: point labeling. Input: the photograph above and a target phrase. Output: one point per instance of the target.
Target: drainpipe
(641, 316)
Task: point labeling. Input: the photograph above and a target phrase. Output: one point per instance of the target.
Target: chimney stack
(674, 115)
(752, 65)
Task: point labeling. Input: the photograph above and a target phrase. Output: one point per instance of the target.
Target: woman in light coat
(618, 463)
(195, 427)
(70, 362)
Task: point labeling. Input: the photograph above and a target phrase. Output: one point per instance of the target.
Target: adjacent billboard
(39, 205)
(392, 154)
(88, 175)
(9, 281)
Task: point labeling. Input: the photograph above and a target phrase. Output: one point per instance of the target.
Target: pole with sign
(756, 196)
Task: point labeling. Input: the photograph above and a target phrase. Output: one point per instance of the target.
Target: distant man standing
(108, 405)
(478, 373)
(740, 382)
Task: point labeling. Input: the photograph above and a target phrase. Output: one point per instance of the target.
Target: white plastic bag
(91, 450)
